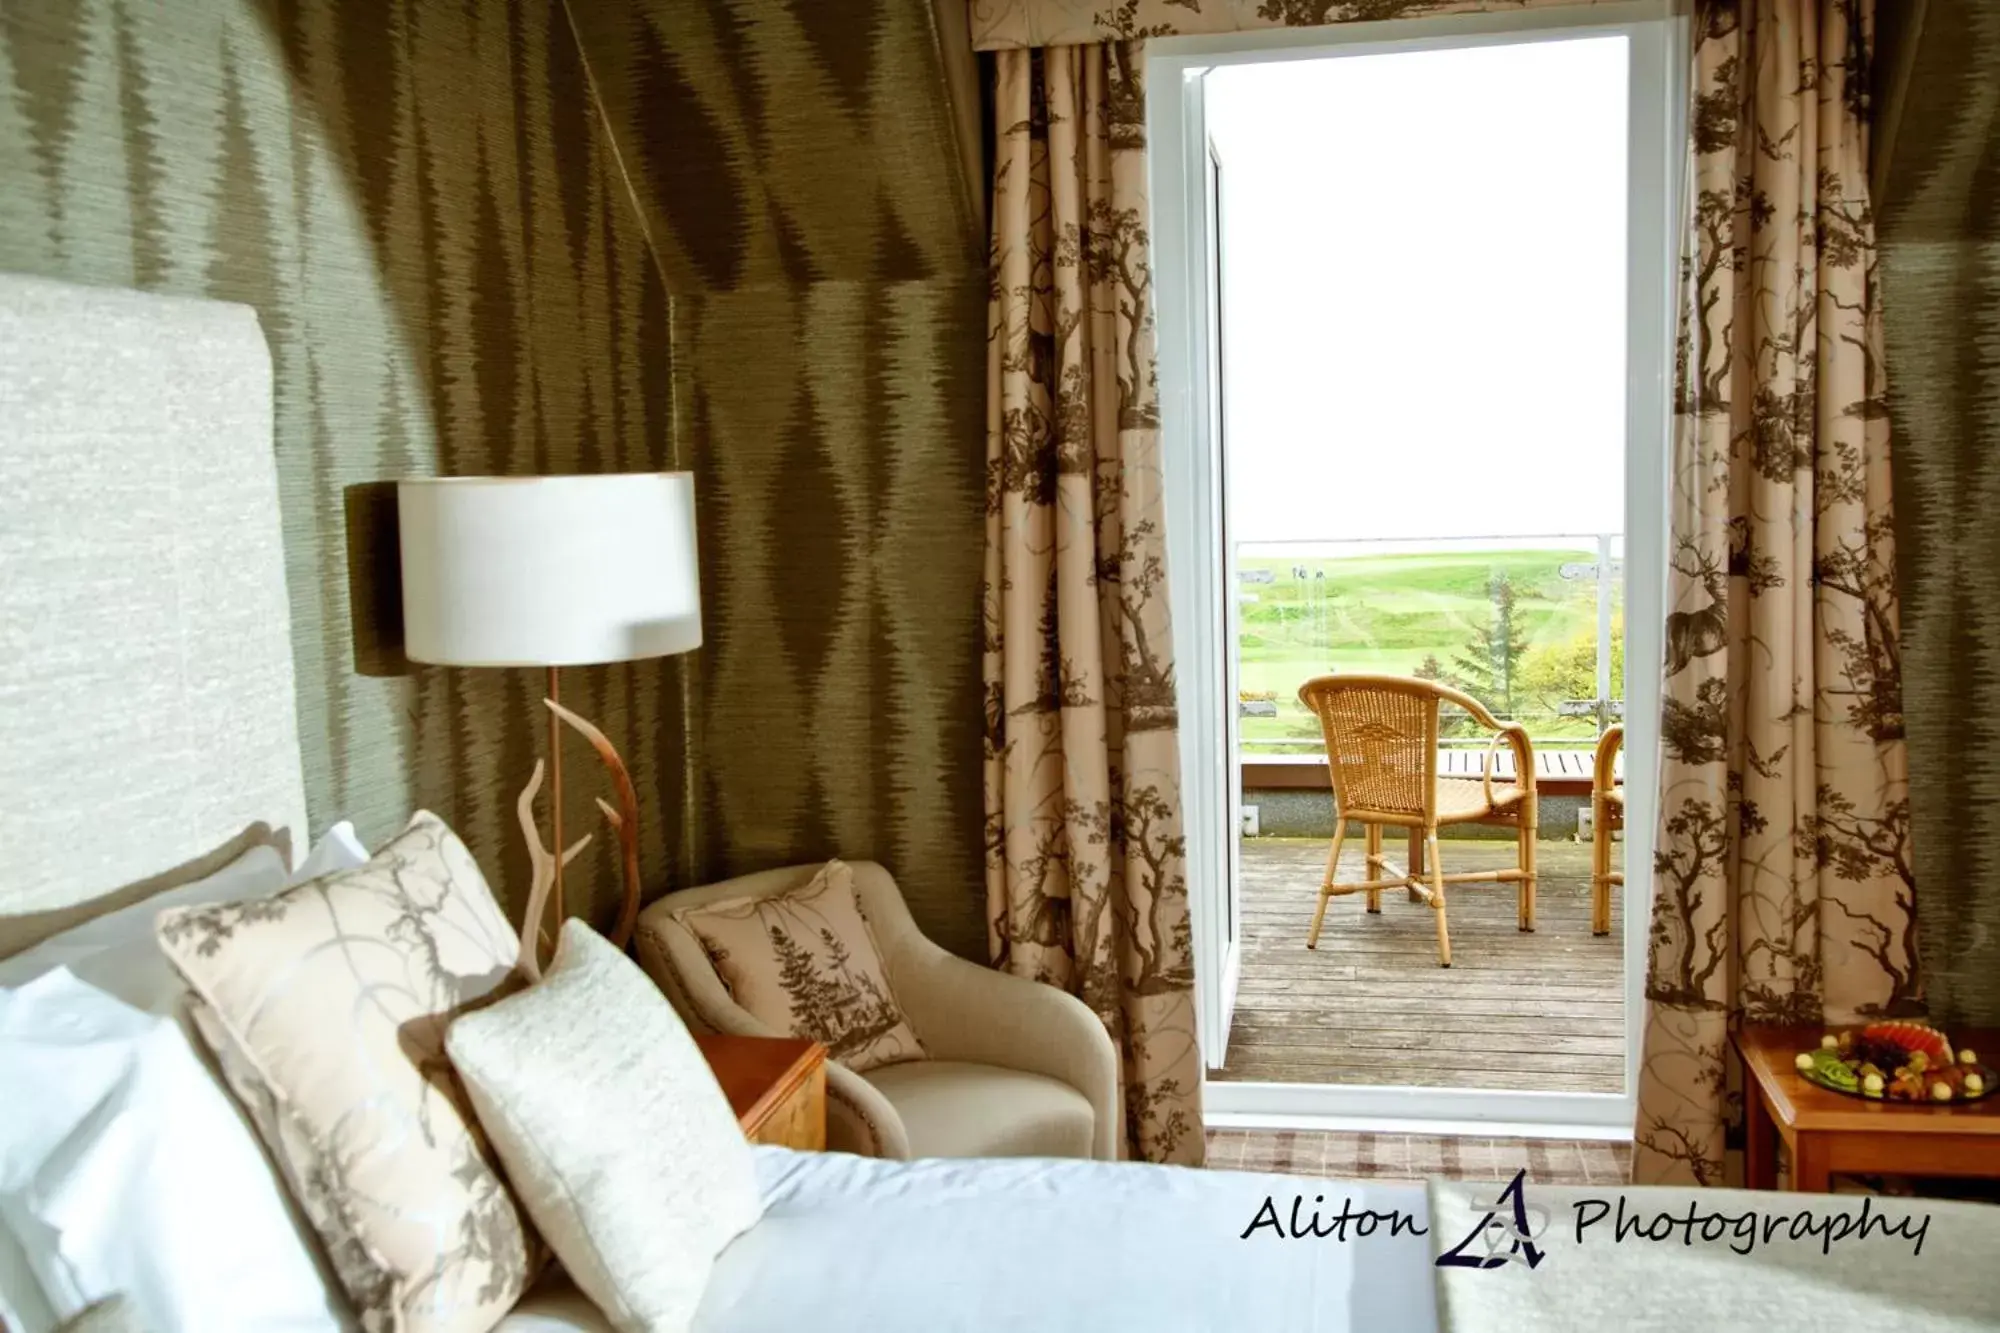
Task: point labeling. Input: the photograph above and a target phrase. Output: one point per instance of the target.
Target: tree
(1452, 720)
(1553, 672)
(1489, 665)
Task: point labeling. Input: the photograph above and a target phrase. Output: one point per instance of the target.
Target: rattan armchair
(1607, 814)
(1382, 755)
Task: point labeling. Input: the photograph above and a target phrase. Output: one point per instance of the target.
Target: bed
(855, 1243)
(148, 736)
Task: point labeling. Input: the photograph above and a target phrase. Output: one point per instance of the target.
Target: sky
(1423, 271)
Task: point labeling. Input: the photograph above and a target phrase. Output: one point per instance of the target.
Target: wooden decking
(1541, 1011)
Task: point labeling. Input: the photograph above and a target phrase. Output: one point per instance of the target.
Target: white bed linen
(1030, 1243)
(1039, 1244)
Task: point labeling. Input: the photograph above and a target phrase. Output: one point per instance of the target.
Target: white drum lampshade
(548, 571)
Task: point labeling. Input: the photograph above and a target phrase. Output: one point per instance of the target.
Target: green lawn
(1387, 613)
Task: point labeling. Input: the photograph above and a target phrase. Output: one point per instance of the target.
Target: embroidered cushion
(805, 962)
(326, 1007)
(613, 1129)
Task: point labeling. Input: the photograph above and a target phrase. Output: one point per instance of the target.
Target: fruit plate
(1985, 1072)
(1897, 1061)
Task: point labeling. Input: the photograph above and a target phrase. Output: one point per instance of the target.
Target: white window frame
(1658, 34)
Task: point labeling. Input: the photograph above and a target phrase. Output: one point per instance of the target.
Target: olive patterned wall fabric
(783, 142)
(426, 208)
(839, 696)
(419, 203)
(800, 171)
(1939, 205)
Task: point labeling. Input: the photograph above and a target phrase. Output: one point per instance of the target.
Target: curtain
(1085, 880)
(1782, 885)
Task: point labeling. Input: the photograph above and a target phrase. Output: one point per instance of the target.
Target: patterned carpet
(1410, 1157)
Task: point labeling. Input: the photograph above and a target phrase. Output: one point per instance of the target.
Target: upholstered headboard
(148, 728)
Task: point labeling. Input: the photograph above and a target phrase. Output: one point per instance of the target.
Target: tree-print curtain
(1782, 878)
(1086, 886)
(1783, 890)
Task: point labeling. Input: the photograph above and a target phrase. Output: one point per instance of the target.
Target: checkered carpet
(1409, 1157)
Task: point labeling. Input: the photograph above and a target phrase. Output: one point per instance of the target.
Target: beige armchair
(1015, 1068)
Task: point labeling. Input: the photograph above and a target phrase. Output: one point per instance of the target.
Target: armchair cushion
(951, 1108)
(806, 962)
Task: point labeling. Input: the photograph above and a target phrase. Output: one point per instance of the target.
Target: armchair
(1607, 815)
(1014, 1068)
(1382, 758)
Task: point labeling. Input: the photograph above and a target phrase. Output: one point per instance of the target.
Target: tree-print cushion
(326, 1007)
(805, 962)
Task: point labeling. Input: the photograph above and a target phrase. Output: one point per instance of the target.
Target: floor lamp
(553, 572)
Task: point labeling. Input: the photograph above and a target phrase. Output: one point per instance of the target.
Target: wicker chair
(1607, 814)
(1382, 753)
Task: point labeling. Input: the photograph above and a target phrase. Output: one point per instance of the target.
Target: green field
(1388, 613)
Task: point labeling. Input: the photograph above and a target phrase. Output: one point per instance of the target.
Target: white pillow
(337, 849)
(23, 1308)
(130, 1172)
(118, 955)
(616, 1137)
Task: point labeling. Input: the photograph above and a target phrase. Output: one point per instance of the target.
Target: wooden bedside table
(776, 1086)
(1828, 1132)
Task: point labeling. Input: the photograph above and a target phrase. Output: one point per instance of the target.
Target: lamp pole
(556, 791)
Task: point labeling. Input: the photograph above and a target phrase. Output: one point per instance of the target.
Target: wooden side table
(776, 1086)
(1827, 1132)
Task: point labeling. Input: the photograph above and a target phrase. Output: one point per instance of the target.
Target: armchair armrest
(860, 1119)
(1516, 737)
(1604, 764)
(962, 1011)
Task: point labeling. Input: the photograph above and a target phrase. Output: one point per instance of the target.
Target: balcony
(1542, 1012)
(1532, 625)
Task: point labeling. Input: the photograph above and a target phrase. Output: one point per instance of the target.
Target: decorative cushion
(326, 1007)
(805, 962)
(613, 1129)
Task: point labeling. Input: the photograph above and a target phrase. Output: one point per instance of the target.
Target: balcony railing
(1528, 624)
